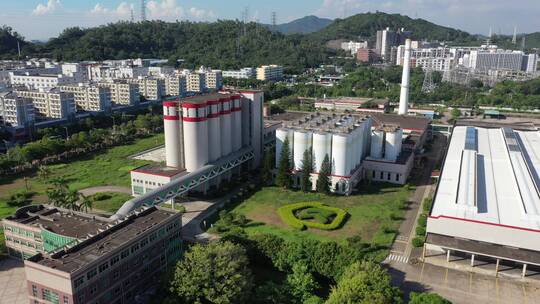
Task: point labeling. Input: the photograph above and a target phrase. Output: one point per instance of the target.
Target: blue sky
(42, 19)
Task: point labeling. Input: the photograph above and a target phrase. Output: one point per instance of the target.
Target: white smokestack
(404, 96)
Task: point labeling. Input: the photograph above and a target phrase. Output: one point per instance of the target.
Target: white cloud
(42, 9)
(164, 9)
(201, 14)
(122, 11)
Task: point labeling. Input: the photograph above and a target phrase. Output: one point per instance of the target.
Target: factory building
(50, 103)
(344, 138)
(89, 97)
(204, 131)
(74, 257)
(15, 111)
(487, 202)
(123, 93)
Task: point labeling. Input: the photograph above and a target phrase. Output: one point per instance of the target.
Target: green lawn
(110, 167)
(111, 204)
(374, 214)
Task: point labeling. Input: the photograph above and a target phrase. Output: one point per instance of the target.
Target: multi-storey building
(50, 103)
(388, 38)
(484, 60)
(150, 88)
(123, 93)
(90, 97)
(270, 72)
(175, 85)
(196, 82)
(36, 81)
(366, 55)
(244, 73)
(15, 111)
(353, 47)
(74, 257)
(213, 79)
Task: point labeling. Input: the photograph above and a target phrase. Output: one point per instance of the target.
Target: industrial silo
(195, 135)
(367, 135)
(339, 154)
(236, 113)
(393, 144)
(302, 142)
(214, 133)
(226, 126)
(377, 143)
(322, 146)
(281, 135)
(173, 135)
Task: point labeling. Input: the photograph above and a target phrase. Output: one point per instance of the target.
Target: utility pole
(19, 49)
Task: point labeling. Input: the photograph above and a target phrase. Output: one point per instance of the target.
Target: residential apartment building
(175, 85)
(484, 60)
(123, 93)
(36, 81)
(388, 38)
(366, 55)
(213, 79)
(244, 73)
(50, 103)
(79, 258)
(196, 82)
(270, 72)
(352, 46)
(15, 111)
(89, 97)
(150, 88)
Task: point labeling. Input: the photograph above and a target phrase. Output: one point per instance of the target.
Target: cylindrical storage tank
(339, 154)
(377, 142)
(281, 135)
(195, 124)
(393, 145)
(236, 112)
(367, 136)
(322, 146)
(302, 142)
(214, 133)
(171, 125)
(359, 143)
(226, 126)
(350, 156)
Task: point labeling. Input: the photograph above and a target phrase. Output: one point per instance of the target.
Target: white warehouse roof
(490, 176)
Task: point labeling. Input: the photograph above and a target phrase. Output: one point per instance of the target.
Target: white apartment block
(175, 85)
(270, 72)
(50, 103)
(90, 97)
(244, 73)
(495, 60)
(196, 82)
(160, 70)
(15, 111)
(123, 93)
(213, 79)
(100, 72)
(150, 88)
(353, 46)
(37, 81)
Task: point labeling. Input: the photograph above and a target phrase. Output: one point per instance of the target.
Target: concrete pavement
(12, 282)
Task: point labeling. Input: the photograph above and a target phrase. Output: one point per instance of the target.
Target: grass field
(112, 203)
(374, 214)
(110, 167)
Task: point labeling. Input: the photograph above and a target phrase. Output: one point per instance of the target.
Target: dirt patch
(267, 215)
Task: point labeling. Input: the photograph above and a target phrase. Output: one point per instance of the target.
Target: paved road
(94, 190)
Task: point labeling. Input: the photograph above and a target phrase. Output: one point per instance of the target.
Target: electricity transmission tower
(514, 38)
(428, 86)
(274, 21)
(143, 10)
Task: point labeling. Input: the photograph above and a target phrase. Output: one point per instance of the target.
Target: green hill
(305, 25)
(8, 43)
(366, 26)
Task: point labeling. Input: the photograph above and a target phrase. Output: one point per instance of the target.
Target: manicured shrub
(418, 241)
(101, 197)
(420, 231)
(422, 220)
(287, 214)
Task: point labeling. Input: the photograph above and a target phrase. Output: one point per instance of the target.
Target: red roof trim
(167, 117)
(483, 223)
(170, 104)
(194, 105)
(212, 102)
(224, 112)
(193, 119)
(213, 115)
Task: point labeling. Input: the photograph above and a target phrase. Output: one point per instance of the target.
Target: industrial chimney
(404, 96)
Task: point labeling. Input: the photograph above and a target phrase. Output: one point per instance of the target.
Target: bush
(418, 241)
(101, 197)
(287, 214)
(422, 220)
(420, 231)
(426, 206)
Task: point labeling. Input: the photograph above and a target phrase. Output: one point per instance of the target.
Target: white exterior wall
(195, 136)
(393, 145)
(171, 125)
(236, 113)
(226, 126)
(302, 142)
(214, 133)
(322, 146)
(281, 135)
(256, 99)
(339, 155)
(377, 141)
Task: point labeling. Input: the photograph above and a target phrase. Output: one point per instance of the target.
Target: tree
(323, 182)
(214, 273)
(268, 166)
(19, 199)
(365, 282)
(455, 113)
(44, 173)
(301, 282)
(427, 298)
(307, 169)
(84, 202)
(284, 178)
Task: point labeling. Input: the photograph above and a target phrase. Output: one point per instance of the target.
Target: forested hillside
(304, 25)
(8, 43)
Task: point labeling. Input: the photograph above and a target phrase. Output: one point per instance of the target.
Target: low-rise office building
(91, 98)
(74, 257)
(50, 103)
(15, 111)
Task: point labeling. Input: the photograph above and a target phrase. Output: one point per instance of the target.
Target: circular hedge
(288, 214)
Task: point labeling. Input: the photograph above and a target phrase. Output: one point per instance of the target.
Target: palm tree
(85, 202)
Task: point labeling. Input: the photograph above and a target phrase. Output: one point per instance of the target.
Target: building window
(115, 260)
(66, 300)
(134, 248)
(103, 266)
(382, 175)
(34, 291)
(78, 282)
(125, 254)
(92, 273)
(389, 175)
(397, 177)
